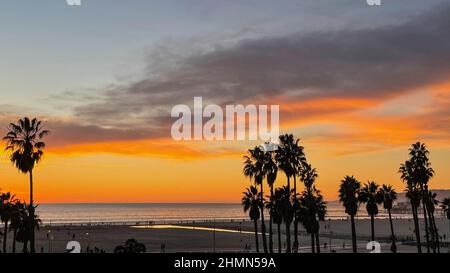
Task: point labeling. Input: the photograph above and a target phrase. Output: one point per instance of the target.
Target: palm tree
(277, 213)
(421, 175)
(370, 195)
(312, 210)
(254, 168)
(23, 233)
(16, 221)
(445, 205)
(6, 207)
(287, 212)
(431, 204)
(251, 202)
(289, 157)
(389, 196)
(24, 142)
(348, 196)
(270, 170)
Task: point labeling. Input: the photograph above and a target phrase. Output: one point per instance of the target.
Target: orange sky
(365, 138)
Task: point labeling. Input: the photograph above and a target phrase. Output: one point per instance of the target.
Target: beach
(222, 236)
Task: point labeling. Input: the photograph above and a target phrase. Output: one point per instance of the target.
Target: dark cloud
(377, 62)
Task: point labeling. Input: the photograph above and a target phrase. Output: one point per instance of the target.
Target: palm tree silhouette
(416, 173)
(254, 168)
(6, 211)
(389, 196)
(312, 207)
(289, 157)
(421, 175)
(413, 194)
(371, 196)
(270, 170)
(287, 212)
(251, 202)
(17, 216)
(24, 142)
(312, 210)
(349, 196)
(23, 232)
(277, 213)
(445, 206)
(431, 203)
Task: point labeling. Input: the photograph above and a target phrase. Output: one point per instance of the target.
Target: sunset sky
(357, 84)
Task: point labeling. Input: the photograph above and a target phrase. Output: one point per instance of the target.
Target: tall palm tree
(370, 195)
(389, 196)
(254, 168)
(413, 194)
(251, 202)
(418, 157)
(289, 156)
(270, 170)
(24, 142)
(349, 196)
(445, 206)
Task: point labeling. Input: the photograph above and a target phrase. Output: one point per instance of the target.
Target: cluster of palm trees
(25, 147)
(16, 219)
(288, 205)
(416, 172)
(352, 194)
(285, 204)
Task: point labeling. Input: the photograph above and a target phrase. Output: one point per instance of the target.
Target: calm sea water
(130, 213)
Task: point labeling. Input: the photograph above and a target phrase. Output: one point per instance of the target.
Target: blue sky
(48, 48)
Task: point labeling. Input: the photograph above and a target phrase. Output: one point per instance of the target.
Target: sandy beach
(229, 236)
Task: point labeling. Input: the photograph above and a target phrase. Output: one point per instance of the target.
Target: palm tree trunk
(288, 237)
(263, 223)
(434, 232)
(393, 247)
(313, 246)
(25, 247)
(279, 238)
(288, 225)
(352, 219)
(14, 240)
(416, 228)
(425, 218)
(271, 225)
(295, 217)
(256, 235)
(31, 209)
(5, 235)
(317, 242)
(372, 226)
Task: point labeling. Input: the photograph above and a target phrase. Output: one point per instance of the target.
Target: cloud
(366, 63)
(315, 76)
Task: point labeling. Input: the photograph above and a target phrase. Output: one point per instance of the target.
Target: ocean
(121, 213)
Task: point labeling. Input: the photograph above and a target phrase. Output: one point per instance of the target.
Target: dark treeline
(289, 207)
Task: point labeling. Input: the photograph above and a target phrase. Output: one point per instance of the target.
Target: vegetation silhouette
(25, 146)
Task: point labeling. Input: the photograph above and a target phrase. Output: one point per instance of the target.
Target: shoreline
(224, 236)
